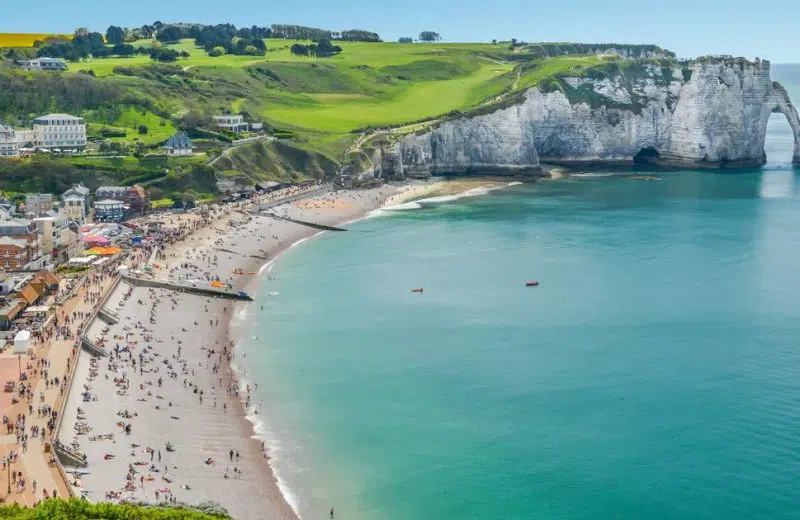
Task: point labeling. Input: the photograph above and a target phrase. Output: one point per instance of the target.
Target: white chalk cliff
(709, 113)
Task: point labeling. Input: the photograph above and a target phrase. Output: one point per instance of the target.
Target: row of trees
(322, 49)
(82, 45)
(225, 39)
(424, 36)
(301, 32)
(170, 33)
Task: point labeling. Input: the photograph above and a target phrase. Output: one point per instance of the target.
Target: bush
(216, 51)
(143, 129)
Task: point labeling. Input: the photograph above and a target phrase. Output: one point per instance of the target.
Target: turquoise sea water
(655, 373)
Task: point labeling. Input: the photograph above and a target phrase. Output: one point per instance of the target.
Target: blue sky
(766, 28)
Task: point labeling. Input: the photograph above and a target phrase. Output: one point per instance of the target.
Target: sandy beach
(168, 376)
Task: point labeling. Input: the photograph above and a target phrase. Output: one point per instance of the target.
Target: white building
(12, 141)
(59, 131)
(230, 122)
(51, 64)
(50, 228)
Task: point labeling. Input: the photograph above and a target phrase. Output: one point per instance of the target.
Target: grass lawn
(367, 85)
(414, 101)
(128, 119)
(162, 203)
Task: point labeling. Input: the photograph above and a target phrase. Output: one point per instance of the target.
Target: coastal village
(116, 358)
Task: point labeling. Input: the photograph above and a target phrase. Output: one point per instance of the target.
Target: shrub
(216, 51)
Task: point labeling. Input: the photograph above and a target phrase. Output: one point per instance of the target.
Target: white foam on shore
(265, 266)
(261, 431)
(591, 175)
(444, 199)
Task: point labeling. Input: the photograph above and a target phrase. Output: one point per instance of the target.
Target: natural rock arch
(782, 104)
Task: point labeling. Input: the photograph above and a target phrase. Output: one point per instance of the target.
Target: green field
(368, 84)
(318, 107)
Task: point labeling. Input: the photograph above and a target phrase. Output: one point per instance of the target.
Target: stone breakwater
(710, 113)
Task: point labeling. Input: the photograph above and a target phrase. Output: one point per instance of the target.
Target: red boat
(531, 284)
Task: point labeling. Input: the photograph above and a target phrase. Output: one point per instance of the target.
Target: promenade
(28, 424)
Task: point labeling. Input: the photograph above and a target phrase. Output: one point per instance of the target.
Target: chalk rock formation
(710, 113)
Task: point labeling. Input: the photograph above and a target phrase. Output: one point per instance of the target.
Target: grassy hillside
(323, 104)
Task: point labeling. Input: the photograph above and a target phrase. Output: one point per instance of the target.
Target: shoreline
(236, 247)
(415, 191)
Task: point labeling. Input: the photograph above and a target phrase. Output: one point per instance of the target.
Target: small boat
(418, 290)
(531, 284)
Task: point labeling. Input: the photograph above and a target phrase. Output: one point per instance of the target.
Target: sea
(654, 373)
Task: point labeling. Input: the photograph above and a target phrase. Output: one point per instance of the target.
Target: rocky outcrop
(710, 113)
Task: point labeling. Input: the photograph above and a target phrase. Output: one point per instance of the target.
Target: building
(75, 208)
(59, 131)
(37, 204)
(111, 192)
(179, 144)
(231, 123)
(109, 210)
(49, 64)
(19, 245)
(138, 199)
(13, 142)
(50, 228)
(76, 202)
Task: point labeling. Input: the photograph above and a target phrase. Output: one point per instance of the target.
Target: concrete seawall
(203, 291)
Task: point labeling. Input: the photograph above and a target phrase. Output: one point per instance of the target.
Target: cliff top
(623, 50)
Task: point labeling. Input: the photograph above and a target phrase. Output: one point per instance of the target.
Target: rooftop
(57, 117)
(179, 140)
(78, 188)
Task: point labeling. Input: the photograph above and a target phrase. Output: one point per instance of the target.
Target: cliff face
(708, 114)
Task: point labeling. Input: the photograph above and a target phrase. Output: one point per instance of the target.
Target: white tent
(22, 342)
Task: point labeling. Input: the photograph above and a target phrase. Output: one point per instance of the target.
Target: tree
(81, 31)
(406, 39)
(124, 50)
(143, 129)
(115, 35)
(359, 35)
(164, 54)
(324, 48)
(216, 51)
(169, 34)
(156, 193)
(299, 50)
(429, 36)
(494, 42)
